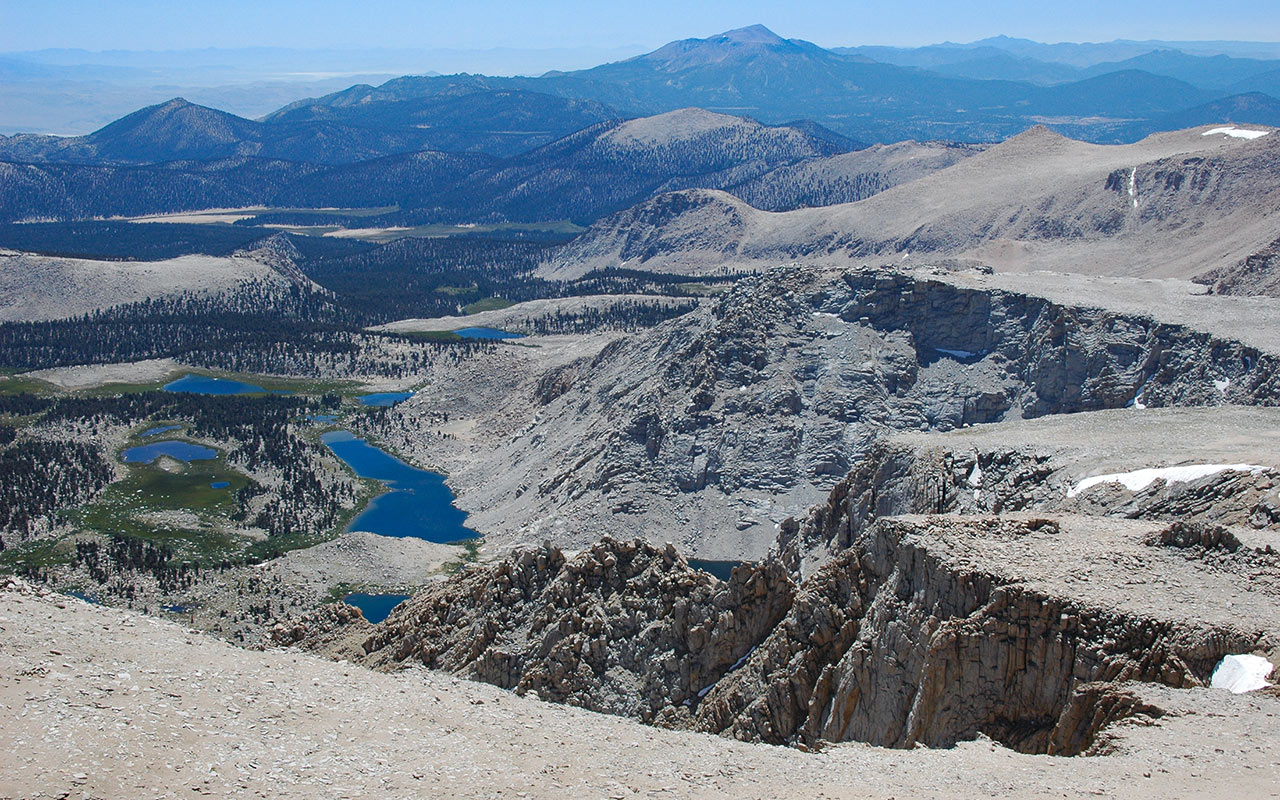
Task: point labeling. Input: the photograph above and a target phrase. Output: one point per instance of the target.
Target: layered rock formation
(925, 630)
(894, 643)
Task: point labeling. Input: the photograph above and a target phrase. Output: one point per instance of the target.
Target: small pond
(220, 485)
(183, 451)
(417, 504)
(203, 384)
(487, 333)
(720, 569)
(375, 607)
(384, 399)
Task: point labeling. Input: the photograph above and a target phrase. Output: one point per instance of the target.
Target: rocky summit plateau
(742, 418)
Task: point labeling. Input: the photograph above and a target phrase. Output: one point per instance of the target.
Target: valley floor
(103, 703)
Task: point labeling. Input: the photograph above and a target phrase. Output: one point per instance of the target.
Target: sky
(605, 24)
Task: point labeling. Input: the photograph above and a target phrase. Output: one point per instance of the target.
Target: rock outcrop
(892, 644)
(774, 392)
(621, 627)
(924, 630)
(967, 475)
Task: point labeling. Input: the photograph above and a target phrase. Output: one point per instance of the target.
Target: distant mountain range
(595, 171)
(179, 130)
(986, 92)
(772, 120)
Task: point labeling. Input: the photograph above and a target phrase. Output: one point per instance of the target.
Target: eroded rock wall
(918, 633)
(621, 627)
(896, 478)
(889, 644)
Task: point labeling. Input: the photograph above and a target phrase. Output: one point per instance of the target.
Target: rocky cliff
(925, 630)
(895, 643)
(622, 627)
(748, 410)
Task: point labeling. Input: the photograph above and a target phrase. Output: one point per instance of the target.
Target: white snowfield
(1236, 133)
(1240, 674)
(1142, 478)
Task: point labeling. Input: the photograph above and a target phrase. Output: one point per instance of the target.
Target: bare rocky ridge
(713, 428)
(847, 177)
(35, 288)
(1173, 205)
(621, 627)
(1033, 466)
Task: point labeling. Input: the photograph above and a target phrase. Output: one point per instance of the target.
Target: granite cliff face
(892, 644)
(726, 421)
(928, 630)
(621, 627)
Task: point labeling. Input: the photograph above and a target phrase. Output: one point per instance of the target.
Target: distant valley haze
(69, 68)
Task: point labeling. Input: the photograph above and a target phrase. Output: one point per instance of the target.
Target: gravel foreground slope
(102, 703)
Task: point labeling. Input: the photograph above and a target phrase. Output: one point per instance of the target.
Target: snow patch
(1133, 186)
(975, 477)
(1240, 674)
(1136, 402)
(1236, 133)
(744, 658)
(1142, 478)
(1221, 385)
(955, 353)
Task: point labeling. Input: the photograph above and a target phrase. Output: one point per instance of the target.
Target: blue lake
(160, 430)
(203, 384)
(183, 451)
(720, 569)
(487, 333)
(417, 504)
(220, 485)
(375, 607)
(384, 399)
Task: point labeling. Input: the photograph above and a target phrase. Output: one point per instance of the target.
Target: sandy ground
(1252, 320)
(91, 376)
(364, 559)
(102, 703)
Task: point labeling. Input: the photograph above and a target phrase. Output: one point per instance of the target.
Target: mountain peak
(752, 34)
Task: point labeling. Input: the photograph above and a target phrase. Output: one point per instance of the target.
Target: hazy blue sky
(180, 24)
